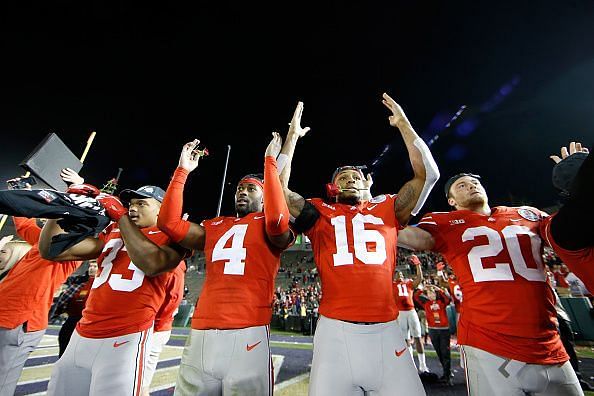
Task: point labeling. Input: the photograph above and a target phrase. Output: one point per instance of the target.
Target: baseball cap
(453, 179)
(143, 192)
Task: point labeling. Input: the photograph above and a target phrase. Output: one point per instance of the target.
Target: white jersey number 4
(502, 271)
(116, 281)
(234, 256)
(361, 237)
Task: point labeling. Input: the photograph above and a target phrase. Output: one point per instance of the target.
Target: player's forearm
(419, 277)
(288, 150)
(170, 215)
(143, 252)
(276, 212)
(49, 230)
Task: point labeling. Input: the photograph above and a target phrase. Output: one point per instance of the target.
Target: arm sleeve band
(276, 211)
(431, 174)
(307, 218)
(170, 216)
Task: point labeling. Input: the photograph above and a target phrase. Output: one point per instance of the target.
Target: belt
(363, 323)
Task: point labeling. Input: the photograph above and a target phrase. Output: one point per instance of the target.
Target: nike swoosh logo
(399, 353)
(153, 232)
(371, 207)
(116, 344)
(250, 347)
(279, 219)
(258, 217)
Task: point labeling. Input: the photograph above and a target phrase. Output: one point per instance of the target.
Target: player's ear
(451, 202)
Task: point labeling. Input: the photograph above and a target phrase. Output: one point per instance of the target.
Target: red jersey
(240, 269)
(508, 305)
(173, 297)
(122, 299)
(403, 294)
(580, 262)
(28, 290)
(456, 293)
(436, 311)
(354, 249)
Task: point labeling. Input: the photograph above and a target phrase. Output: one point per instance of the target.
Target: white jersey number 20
(502, 271)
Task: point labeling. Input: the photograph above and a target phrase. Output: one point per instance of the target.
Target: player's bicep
(195, 238)
(87, 249)
(415, 238)
(407, 199)
(295, 202)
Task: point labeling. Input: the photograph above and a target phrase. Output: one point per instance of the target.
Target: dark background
(150, 79)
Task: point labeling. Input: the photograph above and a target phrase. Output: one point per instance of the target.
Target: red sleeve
(27, 229)
(430, 223)
(170, 216)
(276, 211)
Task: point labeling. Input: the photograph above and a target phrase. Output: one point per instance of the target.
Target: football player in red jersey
(408, 319)
(358, 346)
(507, 326)
(107, 352)
(228, 351)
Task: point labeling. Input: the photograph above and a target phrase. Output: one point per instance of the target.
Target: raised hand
(275, 145)
(70, 176)
(295, 124)
(574, 147)
(113, 206)
(368, 182)
(189, 156)
(398, 115)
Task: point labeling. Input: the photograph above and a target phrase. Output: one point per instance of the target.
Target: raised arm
(413, 194)
(419, 275)
(87, 249)
(151, 258)
(295, 201)
(187, 234)
(276, 211)
(415, 238)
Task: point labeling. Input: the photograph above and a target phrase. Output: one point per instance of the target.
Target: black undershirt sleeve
(307, 218)
(573, 226)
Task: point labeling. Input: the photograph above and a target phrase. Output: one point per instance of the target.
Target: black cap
(453, 179)
(143, 192)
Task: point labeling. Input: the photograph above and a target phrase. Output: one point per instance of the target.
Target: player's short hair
(358, 168)
(453, 179)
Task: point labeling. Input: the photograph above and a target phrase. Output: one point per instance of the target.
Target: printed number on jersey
(402, 290)
(116, 281)
(233, 256)
(361, 237)
(502, 271)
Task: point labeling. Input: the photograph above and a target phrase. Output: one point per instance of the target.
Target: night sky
(229, 75)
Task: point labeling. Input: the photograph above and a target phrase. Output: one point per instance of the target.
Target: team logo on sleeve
(529, 214)
(46, 195)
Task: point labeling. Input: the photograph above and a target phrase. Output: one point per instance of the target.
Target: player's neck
(480, 208)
